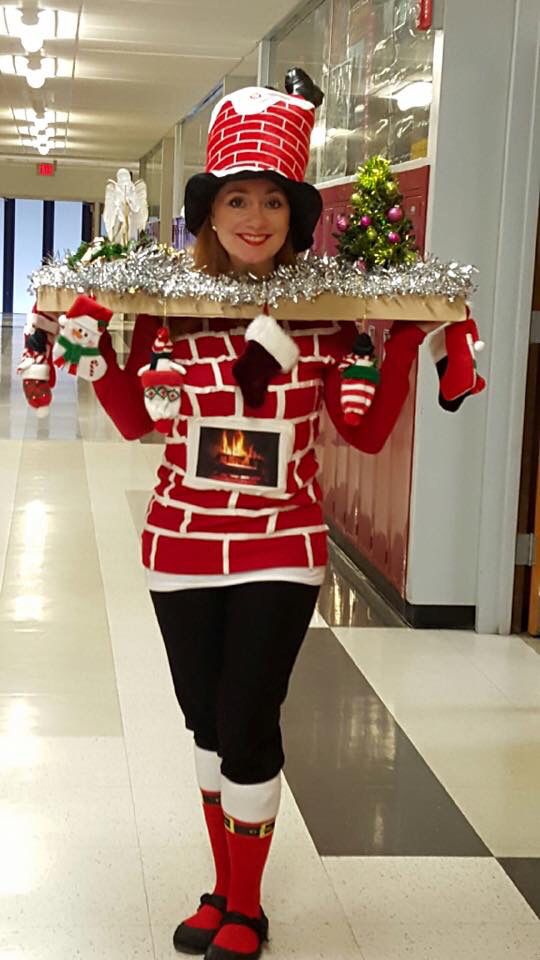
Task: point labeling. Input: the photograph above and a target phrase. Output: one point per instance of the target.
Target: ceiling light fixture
(32, 27)
(36, 69)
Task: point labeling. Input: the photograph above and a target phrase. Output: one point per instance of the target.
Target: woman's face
(251, 219)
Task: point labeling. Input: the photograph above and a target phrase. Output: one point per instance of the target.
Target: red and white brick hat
(259, 132)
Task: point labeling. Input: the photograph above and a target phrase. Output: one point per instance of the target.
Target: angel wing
(139, 209)
(110, 211)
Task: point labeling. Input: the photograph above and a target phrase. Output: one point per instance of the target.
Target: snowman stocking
(77, 347)
(454, 351)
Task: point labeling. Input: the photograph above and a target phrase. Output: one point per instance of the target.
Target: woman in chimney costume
(235, 541)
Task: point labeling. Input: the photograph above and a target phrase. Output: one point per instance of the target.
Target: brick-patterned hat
(258, 132)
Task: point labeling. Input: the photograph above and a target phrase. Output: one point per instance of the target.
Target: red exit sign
(46, 169)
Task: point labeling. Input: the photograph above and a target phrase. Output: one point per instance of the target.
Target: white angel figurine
(126, 207)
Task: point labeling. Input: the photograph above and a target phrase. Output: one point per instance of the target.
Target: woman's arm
(378, 422)
(120, 390)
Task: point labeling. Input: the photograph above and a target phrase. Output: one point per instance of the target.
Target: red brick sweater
(217, 509)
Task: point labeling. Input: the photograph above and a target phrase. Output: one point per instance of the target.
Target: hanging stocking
(162, 380)
(359, 379)
(77, 347)
(35, 368)
(269, 351)
(454, 350)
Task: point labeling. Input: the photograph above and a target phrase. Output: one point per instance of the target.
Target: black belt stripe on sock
(211, 799)
(249, 830)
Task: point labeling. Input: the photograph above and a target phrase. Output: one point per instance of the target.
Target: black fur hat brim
(304, 200)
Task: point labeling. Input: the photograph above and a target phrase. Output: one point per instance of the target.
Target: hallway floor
(410, 826)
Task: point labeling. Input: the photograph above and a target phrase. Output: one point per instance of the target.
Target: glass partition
(379, 85)
(306, 44)
(152, 176)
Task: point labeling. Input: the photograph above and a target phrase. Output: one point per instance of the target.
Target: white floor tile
(508, 662)
(47, 883)
(83, 942)
(455, 706)
(426, 890)
(10, 455)
(471, 942)
(434, 909)
(318, 620)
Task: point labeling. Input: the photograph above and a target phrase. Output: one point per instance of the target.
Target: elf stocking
(269, 351)
(453, 349)
(161, 380)
(197, 932)
(77, 347)
(359, 379)
(249, 836)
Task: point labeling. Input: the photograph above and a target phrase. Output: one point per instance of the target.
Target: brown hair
(209, 254)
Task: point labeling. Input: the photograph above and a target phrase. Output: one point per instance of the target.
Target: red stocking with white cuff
(269, 352)
(249, 837)
(203, 924)
(454, 350)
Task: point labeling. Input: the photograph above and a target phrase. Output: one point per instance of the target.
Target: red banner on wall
(425, 15)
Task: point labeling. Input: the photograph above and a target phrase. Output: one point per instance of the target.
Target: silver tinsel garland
(168, 274)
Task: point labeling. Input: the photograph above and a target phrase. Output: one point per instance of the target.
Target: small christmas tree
(377, 233)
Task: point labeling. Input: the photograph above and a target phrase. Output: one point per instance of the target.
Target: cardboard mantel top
(326, 306)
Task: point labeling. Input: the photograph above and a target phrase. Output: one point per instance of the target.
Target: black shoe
(195, 940)
(259, 926)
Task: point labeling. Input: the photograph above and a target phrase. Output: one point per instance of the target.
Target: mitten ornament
(359, 378)
(36, 369)
(269, 351)
(162, 380)
(77, 347)
(454, 350)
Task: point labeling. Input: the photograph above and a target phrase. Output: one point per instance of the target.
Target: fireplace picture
(232, 453)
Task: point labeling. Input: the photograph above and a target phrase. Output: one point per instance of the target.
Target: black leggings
(231, 652)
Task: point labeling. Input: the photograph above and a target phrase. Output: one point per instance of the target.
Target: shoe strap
(214, 900)
(259, 925)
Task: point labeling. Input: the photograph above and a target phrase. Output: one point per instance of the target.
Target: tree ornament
(367, 237)
(395, 214)
(361, 265)
(342, 222)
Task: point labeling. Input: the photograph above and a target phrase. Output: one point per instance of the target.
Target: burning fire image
(234, 456)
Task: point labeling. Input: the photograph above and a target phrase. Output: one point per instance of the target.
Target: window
(378, 85)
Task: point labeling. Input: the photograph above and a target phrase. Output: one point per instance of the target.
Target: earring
(214, 228)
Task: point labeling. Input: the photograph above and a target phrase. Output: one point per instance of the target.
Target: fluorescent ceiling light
(42, 132)
(417, 94)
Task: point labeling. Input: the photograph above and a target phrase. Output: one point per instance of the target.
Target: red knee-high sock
(249, 846)
(207, 917)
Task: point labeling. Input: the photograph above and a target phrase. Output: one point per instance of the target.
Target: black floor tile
(525, 873)
(362, 787)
